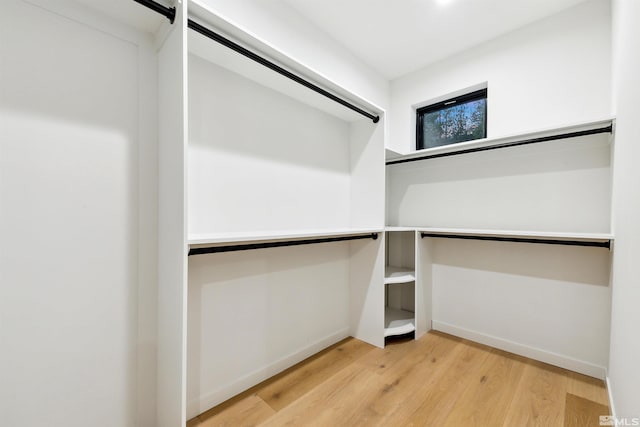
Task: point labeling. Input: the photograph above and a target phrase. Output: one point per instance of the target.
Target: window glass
(455, 120)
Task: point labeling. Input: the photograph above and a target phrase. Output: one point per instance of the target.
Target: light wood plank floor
(438, 380)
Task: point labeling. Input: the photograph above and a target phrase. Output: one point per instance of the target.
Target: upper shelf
(543, 135)
(601, 240)
(541, 235)
(239, 64)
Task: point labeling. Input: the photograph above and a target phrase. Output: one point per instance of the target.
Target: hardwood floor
(438, 380)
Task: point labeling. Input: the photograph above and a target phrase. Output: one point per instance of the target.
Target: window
(459, 119)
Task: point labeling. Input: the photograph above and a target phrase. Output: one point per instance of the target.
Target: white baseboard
(612, 407)
(209, 399)
(555, 359)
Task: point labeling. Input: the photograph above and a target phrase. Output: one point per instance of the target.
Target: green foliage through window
(455, 120)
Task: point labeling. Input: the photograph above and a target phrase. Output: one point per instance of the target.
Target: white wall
(551, 303)
(624, 370)
(77, 219)
(254, 313)
(292, 34)
(511, 295)
(366, 156)
(550, 73)
(562, 185)
(261, 161)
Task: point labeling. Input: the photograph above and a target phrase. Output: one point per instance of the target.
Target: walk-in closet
(319, 213)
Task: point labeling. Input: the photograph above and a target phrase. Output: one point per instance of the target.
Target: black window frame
(467, 97)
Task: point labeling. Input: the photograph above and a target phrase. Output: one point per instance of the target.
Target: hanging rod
(606, 129)
(234, 248)
(263, 61)
(606, 244)
(168, 12)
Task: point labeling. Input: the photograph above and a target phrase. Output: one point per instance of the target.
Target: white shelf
(398, 322)
(489, 142)
(207, 15)
(398, 275)
(390, 154)
(536, 235)
(392, 228)
(260, 236)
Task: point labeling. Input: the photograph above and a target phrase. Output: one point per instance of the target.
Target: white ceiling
(399, 36)
(394, 37)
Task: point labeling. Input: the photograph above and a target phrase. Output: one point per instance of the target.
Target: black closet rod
(606, 129)
(234, 248)
(606, 244)
(263, 61)
(168, 12)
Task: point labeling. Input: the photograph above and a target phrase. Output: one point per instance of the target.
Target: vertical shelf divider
(172, 233)
(367, 210)
(366, 291)
(424, 276)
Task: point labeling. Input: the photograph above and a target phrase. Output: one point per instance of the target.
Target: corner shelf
(400, 280)
(398, 275)
(399, 228)
(398, 322)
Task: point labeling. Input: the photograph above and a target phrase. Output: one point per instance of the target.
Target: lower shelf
(398, 322)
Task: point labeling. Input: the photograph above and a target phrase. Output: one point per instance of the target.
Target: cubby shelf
(398, 322)
(401, 283)
(398, 275)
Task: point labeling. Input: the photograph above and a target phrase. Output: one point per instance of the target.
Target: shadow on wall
(72, 169)
(250, 310)
(589, 266)
(561, 185)
(234, 116)
(590, 152)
